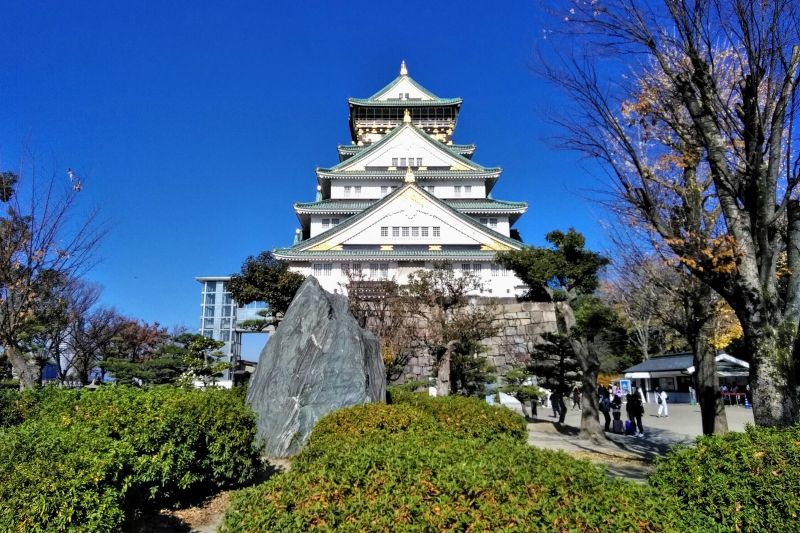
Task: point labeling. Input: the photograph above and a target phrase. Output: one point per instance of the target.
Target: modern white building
(404, 196)
(220, 317)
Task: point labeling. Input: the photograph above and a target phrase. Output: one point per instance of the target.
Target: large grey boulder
(318, 360)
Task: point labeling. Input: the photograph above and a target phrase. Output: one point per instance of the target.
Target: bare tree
(703, 113)
(44, 240)
(92, 336)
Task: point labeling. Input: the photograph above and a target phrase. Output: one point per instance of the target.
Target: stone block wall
(519, 326)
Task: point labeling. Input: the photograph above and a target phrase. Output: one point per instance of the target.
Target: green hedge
(423, 469)
(747, 481)
(89, 461)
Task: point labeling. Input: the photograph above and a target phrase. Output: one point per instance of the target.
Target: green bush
(746, 481)
(470, 417)
(361, 471)
(87, 461)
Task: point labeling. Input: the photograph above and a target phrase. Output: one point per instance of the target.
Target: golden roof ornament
(410, 176)
(403, 69)
(407, 117)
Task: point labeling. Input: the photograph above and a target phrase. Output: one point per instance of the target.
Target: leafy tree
(43, 243)
(568, 272)
(704, 117)
(265, 279)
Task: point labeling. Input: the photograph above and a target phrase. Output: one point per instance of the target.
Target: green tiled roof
(355, 218)
(352, 149)
(435, 99)
(392, 134)
(464, 206)
(331, 254)
(488, 173)
(397, 102)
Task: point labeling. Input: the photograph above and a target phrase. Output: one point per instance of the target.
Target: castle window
(356, 269)
(493, 223)
(334, 222)
(415, 231)
(457, 190)
(419, 161)
(326, 223)
(467, 189)
(485, 221)
(394, 161)
(402, 161)
(384, 231)
(357, 190)
(465, 268)
(384, 190)
(322, 269)
(347, 189)
(424, 231)
(395, 231)
(437, 231)
(405, 231)
(477, 268)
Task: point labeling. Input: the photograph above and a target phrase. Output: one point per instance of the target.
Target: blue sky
(195, 125)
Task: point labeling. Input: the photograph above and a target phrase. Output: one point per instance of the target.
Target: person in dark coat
(605, 407)
(562, 406)
(636, 408)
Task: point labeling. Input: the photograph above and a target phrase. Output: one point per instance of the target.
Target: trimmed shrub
(746, 481)
(469, 417)
(88, 461)
(420, 474)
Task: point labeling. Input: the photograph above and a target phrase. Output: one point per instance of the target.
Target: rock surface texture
(318, 360)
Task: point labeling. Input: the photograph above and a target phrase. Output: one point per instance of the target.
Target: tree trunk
(590, 406)
(773, 372)
(443, 372)
(29, 370)
(706, 382)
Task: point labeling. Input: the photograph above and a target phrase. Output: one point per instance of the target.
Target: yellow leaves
(725, 328)
(719, 255)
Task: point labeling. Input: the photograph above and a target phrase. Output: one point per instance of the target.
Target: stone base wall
(520, 325)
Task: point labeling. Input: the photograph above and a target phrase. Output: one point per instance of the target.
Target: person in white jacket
(661, 398)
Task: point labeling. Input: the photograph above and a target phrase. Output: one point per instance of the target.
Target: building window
(211, 286)
(477, 269)
(347, 190)
(322, 269)
(424, 231)
(345, 269)
(437, 231)
(356, 269)
(493, 223)
(405, 231)
(357, 190)
(485, 221)
(415, 231)
(394, 161)
(457, 190)
(208, 333)
(395, 231)
(402, 161)
(225, 335)
(326, 223)
(384, 231)
(465, 268)
(334, 222)
(379, 271)
(211, 298)
(384, 190)
(419, 161)
(468, 189)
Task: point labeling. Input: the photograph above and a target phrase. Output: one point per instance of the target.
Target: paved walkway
(629, 456)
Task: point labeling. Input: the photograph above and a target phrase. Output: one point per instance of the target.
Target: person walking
(562, 405)
(576, 398)
(554, 402)
(661, 398)
(605, 408)
(637, 410)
